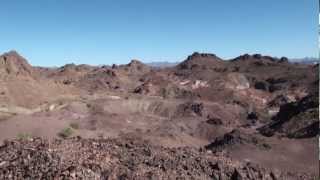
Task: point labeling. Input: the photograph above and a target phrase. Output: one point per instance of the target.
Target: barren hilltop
(251, 117)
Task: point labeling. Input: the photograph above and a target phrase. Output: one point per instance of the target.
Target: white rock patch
(199, 84)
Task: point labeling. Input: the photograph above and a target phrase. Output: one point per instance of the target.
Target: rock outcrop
(296, 119)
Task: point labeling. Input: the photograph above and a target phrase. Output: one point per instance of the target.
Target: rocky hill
(253, 117)
(12, 64)
(296, 119)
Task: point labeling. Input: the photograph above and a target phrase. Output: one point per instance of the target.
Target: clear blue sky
(55, 32)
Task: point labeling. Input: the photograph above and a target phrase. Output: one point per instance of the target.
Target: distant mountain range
(306, 60)
(162, 64)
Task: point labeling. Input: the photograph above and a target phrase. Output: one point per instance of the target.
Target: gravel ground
(126, 157)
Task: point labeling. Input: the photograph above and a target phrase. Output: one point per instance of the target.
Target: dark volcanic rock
(252, 116)
(214, 120)
(236, 137)
(296, 119)
(201, 61)
(260, 60)
(190, 109)
(278, 101)
(284, 60)
(261, 86)
(201, 55)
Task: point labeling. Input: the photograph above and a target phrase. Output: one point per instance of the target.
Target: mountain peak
(13, 63)
(259, 57)
(197, 55)
(137, 66)
(12, 53)
(135, 62)
(202, 60)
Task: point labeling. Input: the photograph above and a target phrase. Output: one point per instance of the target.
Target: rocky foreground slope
(122, 158)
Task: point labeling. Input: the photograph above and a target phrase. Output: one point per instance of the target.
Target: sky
(56, 32)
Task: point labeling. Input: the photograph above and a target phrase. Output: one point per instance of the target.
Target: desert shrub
(66, 132)
(24, 136)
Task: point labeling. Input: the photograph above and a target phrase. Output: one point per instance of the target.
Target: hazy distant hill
(307, 60)
(162, 64)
